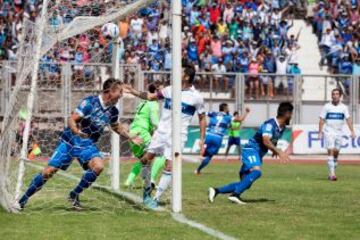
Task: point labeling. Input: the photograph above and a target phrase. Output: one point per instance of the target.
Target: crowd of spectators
(246, 36)
(337, 26)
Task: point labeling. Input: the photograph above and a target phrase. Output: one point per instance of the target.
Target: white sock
(164, 183)
(146, 175)
(331, 165)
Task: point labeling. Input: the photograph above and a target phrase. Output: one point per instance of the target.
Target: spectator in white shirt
(281, 69)
(219, 67)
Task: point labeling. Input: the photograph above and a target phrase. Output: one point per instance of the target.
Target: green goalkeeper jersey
(146, 117)
(234, 130)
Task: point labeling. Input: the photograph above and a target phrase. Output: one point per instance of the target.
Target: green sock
(157, 166)
(135, 171)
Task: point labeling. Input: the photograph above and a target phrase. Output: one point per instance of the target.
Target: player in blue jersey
(85, 126)
(218, 126)
(265, 139)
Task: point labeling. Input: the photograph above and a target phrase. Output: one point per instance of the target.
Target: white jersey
(334, 116)
(192, 102)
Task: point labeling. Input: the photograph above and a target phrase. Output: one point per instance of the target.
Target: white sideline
(137, 200)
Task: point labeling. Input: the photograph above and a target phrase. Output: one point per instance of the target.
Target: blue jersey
(269, 128)
(95, 117)
(219, 123)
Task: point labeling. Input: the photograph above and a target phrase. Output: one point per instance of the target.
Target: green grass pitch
(288, 202)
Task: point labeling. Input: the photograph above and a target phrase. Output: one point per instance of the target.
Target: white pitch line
(215, 233)
(137, 200)
(126, 195)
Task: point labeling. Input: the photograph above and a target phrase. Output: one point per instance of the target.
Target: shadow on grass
(260, 200)
(63, 208)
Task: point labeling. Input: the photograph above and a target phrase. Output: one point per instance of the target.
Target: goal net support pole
(176, 106)
(115, 138)
(31, 99)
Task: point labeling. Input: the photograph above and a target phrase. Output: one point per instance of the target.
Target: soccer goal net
(57, 66)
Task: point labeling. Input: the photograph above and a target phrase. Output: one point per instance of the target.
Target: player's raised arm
(202, 125)
(243, 116)
(144, 95)
(122, 130)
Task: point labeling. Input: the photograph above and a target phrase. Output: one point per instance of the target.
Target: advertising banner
(192, 144)
(306, 140)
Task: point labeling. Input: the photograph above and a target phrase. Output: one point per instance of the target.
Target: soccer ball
(110, 30)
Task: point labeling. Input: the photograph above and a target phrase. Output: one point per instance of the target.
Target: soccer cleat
(129, 185)
(18, 206)
(212, 194)
(75, 202)
(153, 186)
(236, 199)
(197, 173)
(332, 178)
(150, 203)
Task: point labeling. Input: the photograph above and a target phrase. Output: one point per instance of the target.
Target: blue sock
(204, 163)
(88, 178)
(247, 181)
(35, 185)
(227, 188)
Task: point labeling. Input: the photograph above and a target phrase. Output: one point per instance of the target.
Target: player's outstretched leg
(135, 171)
(36, 184)
(236, 188)
(165, 181)
(158, 165)
(146, 175)
(96, 165)
(203, 164)
(245, 184)
(227, 150)
(213, 144)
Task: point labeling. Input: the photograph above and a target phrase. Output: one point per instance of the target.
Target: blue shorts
(234, 141)
(213, 143)
(250, 158)
(65, 152)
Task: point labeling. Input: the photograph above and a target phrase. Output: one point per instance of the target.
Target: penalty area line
(130, 197)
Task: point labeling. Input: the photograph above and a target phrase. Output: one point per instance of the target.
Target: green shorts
(139, 150)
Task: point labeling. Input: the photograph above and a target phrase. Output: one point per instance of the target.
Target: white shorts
(281, 80)
(160, 145)
(333, 141)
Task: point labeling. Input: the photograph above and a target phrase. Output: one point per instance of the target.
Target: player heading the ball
(192, 102)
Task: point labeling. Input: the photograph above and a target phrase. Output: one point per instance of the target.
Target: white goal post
(176, 107)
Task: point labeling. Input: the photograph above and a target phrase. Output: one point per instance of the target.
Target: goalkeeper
(145, 122)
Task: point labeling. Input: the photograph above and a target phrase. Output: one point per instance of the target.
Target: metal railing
(261, 92)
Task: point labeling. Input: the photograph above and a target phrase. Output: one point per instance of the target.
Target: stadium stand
(245, 36)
